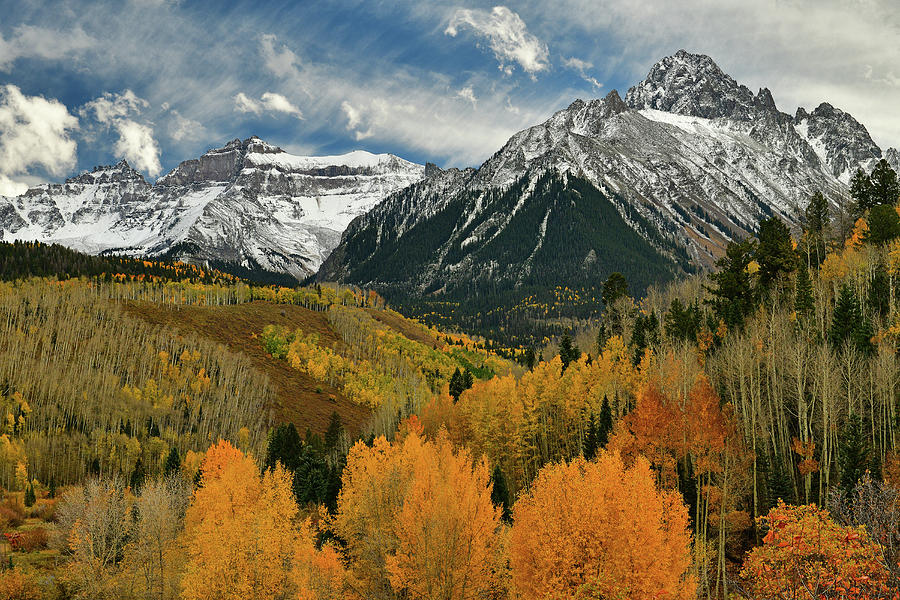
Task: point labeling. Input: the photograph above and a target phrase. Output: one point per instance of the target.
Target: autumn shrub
(12, 514)
(44, 509)
(16, 584)
(806, 550)
(33, 539)
(600, 529)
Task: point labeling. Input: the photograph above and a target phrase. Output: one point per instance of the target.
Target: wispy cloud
(582, 67)
(28, 41)
(34, 133)
(506, 34)
(468, 94)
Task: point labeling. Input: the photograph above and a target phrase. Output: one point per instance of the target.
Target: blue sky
(157, 82)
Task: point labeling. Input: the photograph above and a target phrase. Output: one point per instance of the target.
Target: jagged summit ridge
(693, 84)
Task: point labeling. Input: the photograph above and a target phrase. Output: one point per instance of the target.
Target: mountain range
(248, 206)
(653, 185)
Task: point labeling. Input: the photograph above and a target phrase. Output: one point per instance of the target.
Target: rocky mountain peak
(693, 85)
(121, 172)
(841, 141)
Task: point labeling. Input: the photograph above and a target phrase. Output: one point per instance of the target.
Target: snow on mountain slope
(248, 203)
(690, 159)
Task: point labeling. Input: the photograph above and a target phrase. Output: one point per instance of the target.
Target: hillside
(298, 398)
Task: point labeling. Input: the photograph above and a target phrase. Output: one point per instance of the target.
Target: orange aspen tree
(241, 531)
(447, 529)
(418, 521)
(616, 537)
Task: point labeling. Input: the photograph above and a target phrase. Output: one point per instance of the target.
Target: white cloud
(581, 67)
(280, 61)
(278, 103)
(507, 36)
(136, 142)
(137, 145)
(34, 132)
(467, 93)
(28, 41)
(183, 128)
(268, 102)
(354, 120)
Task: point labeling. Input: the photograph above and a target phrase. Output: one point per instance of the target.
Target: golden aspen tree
(240, 530)
(600, 529)
(447, 529)
(418, 521)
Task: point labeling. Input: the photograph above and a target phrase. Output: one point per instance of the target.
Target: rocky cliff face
(690, 159)
(248, 203)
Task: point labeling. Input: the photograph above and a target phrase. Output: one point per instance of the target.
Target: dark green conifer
(138, 475)
(885, 188)
(173, 462)
(604, 423)
(500, 493)
(854, 453)
(879, 292)
(884, 224)
(590, 438)
(334, 433)
(732, 292)
(846, 319)
(30, 498)
(568, 351)
(775, 252)
(803, 293)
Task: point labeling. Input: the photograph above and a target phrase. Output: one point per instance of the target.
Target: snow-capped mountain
(249, 204)
(689, 160)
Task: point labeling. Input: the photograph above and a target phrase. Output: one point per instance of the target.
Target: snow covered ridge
(247, 203)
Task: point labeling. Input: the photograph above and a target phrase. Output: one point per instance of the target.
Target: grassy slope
(297, 400)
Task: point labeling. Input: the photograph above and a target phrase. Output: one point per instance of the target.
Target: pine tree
(173, 462)
(500, 493)
(334, 433)
(846, 319)
(861, 192)
(615, 287)
(817, 224)
(803, 293)
(638, 339)
(468, 379)
(30, 498)
(530, 359)
(854, 453)
(879, 292)
(779, 484)
(604, 423)
(884, 224)
(590, 439)
(775, 251)
(138, 474)
(283, 447)
(568, 352)
(885, 188)
(457, 384)
(732, 292)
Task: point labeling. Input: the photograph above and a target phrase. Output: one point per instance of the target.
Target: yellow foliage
(618, 536)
